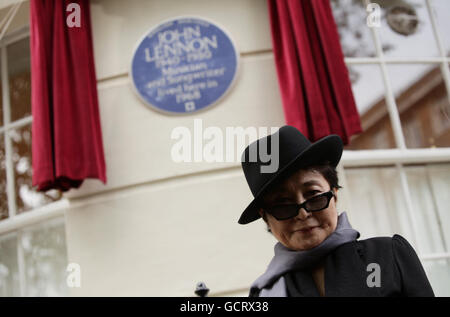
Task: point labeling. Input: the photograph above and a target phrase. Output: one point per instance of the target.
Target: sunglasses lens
(316, 204)
(283, 212)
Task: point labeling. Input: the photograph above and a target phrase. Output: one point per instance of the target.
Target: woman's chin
(303, 242)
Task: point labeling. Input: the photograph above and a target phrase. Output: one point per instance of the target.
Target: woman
(318, 253)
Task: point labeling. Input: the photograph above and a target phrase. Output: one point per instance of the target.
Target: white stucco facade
(158, 227)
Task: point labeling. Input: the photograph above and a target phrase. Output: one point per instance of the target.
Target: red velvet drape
(66, 132)
(313, 79)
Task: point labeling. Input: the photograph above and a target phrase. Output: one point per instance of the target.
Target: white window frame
(401, 155)
(16, 222)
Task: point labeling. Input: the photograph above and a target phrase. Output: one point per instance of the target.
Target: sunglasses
(316, 203)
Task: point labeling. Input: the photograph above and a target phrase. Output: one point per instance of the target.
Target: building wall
(158, 227)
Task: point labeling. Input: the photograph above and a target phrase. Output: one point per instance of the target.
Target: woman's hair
(328, 171)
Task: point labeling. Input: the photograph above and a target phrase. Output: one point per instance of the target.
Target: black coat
(348, 269)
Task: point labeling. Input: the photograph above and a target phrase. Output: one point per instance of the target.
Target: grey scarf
(272, 282)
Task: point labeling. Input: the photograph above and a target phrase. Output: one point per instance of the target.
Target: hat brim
(328, 148)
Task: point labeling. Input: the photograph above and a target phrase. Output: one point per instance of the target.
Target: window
(16, 131)
(33, 260)
(401, 82)
(32, 238)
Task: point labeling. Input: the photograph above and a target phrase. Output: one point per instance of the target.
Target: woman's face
(306, 230)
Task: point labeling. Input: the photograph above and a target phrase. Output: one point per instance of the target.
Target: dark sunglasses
(316, 203)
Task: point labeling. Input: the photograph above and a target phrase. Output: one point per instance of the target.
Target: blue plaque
(184, 65)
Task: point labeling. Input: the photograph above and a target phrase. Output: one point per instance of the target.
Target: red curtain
(66, 133)
(313, 79)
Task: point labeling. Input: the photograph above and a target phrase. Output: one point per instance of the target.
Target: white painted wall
(158, 227)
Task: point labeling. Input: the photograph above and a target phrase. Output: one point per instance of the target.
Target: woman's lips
(306, 230)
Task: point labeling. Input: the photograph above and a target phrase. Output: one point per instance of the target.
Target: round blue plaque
(184, 65)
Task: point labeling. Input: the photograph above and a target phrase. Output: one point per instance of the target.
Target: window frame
(15, 223)
(401, 155)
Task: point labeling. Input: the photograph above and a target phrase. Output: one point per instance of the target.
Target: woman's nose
(303, 214)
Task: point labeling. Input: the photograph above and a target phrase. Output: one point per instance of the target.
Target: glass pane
(369, 92)
(438, 273)
(9, 274)
(3, 196)
(424, 198)
(27, 197)
(354, 34)
(45, 254)
(19, 79)
(423, 104)
(441, 10)
(431, 185)
(406, 29)
(1, 101)
(377, 202)
(379, 207)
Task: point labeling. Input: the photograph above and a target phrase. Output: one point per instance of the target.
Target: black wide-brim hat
(294, 151)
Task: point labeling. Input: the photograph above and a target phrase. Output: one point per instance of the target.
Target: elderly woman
(318, 253)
